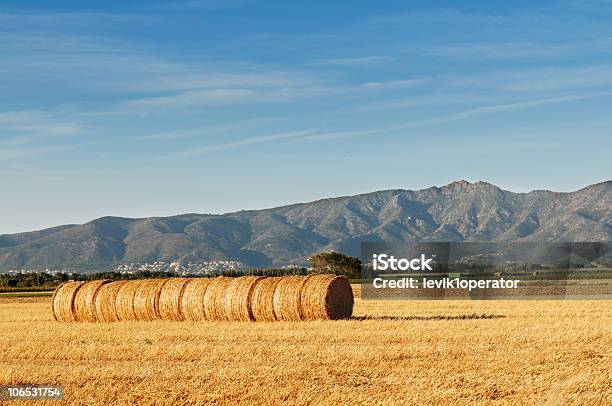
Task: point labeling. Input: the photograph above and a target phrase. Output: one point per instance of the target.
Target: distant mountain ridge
(459, 211)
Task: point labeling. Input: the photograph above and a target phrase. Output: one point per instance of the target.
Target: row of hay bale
(247, 298)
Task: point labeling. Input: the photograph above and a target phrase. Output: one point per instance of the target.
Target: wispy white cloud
(441, 16)
(13, 153)
(497, 108)
(259, 92)
(204, 97)
(126, 71)
(22, 127)
(235, 144)
(525, 81)
(422, 100)
(147, 79)
(537, 50)
(327, 136)
(396, 84)
(506, 85)
(182, 5)
(202, 132)
(114, 66)
(546, 79)
(245, 95)
(316, 135)
(262, 92)
(533, 80)
(466, 114)
(598, 7)
(359, 61)
(224, 96)
(35, 21)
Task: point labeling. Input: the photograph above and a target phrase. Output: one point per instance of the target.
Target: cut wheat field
(391, 352)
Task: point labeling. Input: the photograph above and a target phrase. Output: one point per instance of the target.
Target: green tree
(336, 263)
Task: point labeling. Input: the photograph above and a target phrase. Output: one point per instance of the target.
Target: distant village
(184, 268)
(188, 268)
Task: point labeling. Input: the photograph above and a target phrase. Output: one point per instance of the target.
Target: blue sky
(143, 108)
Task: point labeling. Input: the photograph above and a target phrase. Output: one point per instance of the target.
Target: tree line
(324, 262)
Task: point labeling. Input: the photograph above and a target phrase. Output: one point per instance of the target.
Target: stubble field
(392, 352)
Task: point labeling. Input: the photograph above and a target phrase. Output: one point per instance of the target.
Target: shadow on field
(473, 316)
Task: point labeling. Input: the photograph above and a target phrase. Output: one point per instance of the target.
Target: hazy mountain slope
(456, 212)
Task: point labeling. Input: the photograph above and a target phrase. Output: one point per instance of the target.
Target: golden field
(392, 352)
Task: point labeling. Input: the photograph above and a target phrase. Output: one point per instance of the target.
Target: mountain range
(460, 211)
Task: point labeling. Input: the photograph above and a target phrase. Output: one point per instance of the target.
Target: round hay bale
(146, 299)
(326, 297)
(287, 298)
(84, 309)
(62, 304)
(105, 301)
(262, 299)
(124, 303)
(191, 302)
(237, 298)
(53, 302)
(170, 299)
(214, 299)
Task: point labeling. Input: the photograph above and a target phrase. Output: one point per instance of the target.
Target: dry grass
(392, 352)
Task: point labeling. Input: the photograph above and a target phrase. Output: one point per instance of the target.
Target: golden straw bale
(125, 300)
(237, 298)
(146, 299)
(262, 299)
(84, 309)
(287, 298)
(191, 302)
(53, 302)
(339, 299)
(105, 301)
(247, 298)
(54, 311)
(326, 297)
(63, 301)
(170, 299)
(214, 296)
